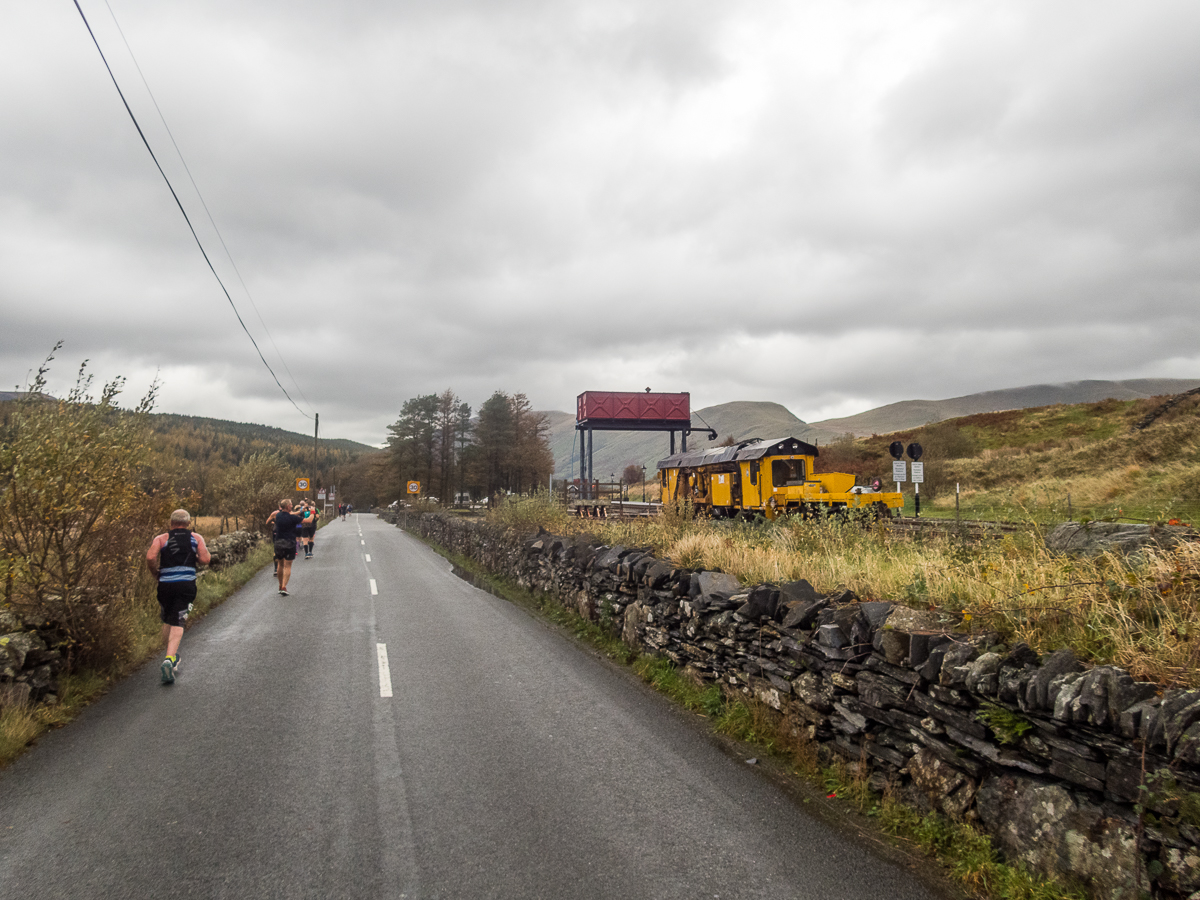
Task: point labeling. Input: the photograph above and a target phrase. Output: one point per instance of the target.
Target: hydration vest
(177, 558)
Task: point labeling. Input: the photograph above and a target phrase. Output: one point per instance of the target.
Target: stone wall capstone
(1049, 757)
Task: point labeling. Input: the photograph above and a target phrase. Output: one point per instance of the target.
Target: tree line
(453, 455)
(222, 462)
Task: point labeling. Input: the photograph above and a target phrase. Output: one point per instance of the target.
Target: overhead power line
(162, 118)
(183, 211)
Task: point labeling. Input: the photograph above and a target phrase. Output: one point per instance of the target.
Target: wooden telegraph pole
(313, 481)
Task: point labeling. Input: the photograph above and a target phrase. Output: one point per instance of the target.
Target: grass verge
(1140, 612)
(966, 854)
(21, 726)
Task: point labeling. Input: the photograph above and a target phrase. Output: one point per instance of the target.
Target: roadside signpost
(899, 466)
(918, 476)
(900, 470)
(302, 484)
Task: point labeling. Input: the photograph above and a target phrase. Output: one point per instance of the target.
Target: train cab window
(787, 471)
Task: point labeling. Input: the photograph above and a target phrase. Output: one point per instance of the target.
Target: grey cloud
(762, 202)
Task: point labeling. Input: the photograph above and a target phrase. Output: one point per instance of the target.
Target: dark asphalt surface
(508, 763)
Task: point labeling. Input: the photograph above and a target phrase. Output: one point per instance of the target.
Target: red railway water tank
(628, 406)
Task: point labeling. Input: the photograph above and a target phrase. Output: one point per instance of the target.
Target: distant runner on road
(172, 560)
(308, 529)
(285, 542)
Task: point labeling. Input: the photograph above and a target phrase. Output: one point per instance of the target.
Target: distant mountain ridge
(914, 413)
(742, 419)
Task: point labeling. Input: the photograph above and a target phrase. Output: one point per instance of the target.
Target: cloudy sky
(828, 205)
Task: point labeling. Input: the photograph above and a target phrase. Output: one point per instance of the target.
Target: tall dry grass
(1141, 613)
(1152, 474)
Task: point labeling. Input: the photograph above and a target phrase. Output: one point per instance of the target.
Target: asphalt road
(506, 762)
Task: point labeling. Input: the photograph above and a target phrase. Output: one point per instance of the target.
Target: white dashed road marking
(368, 557)
(385, 674)
(374, 589)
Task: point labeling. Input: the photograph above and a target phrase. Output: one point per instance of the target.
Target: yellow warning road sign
(414, 487)
(302, 484)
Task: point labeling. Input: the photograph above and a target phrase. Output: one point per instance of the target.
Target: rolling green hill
(1052, 462)
(197, 452)
(237, 439)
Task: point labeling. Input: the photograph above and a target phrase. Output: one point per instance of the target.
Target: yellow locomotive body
(769, 477)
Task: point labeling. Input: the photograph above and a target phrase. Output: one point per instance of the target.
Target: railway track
(617, 509)
(971, 529)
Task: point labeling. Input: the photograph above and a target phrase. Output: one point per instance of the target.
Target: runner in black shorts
(285, 542)
(172, 560)
(308, 529)
(175, 598)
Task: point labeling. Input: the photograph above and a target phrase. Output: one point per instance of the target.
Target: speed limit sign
(302, 484)
(414, 487)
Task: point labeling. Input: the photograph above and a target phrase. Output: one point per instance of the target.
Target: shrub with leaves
(252, 491)
(74, 516)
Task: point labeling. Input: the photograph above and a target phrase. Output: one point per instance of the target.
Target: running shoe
(282, 592)
(168, 671)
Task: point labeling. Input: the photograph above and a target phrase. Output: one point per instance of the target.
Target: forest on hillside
(198, 454)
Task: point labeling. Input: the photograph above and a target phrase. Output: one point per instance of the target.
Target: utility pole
(313, 481)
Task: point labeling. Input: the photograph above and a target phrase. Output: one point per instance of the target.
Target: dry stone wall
(30, 661)
(31, 656)
(232, 548)
(1051, 758)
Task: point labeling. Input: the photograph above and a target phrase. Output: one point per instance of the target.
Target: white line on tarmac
(368, 556)
(385, 674)
(364, 543)
(374, 589)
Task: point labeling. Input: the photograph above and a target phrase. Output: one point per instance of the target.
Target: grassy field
(208, 526)
(1059, 462)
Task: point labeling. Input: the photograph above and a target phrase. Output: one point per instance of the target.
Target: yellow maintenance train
(769, 477)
